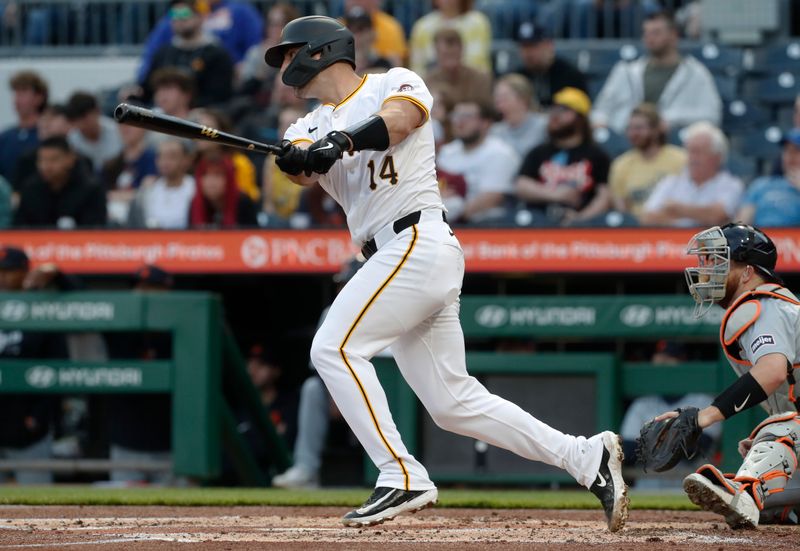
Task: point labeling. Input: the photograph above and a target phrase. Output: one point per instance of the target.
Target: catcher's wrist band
(371, 133)
(743, 394)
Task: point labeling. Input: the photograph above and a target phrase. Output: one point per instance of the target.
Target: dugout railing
(205, 360)
(579, 392)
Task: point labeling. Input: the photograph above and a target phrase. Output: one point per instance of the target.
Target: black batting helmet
(752, 246)
(314, 34)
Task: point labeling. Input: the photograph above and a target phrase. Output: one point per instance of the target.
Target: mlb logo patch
(760, 341)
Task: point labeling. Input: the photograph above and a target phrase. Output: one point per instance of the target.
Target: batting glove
(323, 153)
(292, 160)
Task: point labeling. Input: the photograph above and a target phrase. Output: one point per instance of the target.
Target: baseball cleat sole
(418, 503)
(710, 497)
(619, 514)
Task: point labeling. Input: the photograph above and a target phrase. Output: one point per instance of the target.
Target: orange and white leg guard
(772, 460)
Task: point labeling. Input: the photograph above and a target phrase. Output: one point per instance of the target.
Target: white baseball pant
(406, 295)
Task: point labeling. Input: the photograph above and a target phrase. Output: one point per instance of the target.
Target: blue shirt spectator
(773, 201)
(30, 98)
(237, 25)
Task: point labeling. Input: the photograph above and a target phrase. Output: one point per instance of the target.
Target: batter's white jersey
(402, 179)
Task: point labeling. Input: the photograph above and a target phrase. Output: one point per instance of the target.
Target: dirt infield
(239, 528)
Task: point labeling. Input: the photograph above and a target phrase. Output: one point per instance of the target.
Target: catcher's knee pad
(772, 459)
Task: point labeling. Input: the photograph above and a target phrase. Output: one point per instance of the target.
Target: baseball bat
(166, 124)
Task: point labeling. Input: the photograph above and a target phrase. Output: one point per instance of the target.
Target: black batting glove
(323, 153)
(292, 160)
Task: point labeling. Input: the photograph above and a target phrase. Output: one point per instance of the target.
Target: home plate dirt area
(234, 528)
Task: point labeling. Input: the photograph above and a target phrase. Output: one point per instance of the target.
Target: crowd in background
(645, 147)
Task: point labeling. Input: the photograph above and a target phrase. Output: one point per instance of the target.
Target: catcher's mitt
(661, 444)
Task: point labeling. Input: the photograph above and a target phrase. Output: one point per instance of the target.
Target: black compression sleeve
(743, 394)
(371, 133)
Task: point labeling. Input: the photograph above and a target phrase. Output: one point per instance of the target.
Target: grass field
(499, 499)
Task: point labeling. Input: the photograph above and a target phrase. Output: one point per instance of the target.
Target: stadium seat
(601, 60)
(727, 86)
(738, 115)
(763, 145)
(675, 136)
(613, 143)
(720, 60)
(780, 58)
(779, 89)
(745, 168)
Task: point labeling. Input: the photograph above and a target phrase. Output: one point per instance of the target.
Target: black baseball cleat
(386, 503)
(609, 487)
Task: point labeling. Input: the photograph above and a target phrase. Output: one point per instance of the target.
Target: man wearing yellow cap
(564, 180)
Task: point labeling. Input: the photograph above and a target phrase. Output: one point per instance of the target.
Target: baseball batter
(760, 335)
(370, 146)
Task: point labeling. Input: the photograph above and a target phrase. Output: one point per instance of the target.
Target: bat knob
(121, 112)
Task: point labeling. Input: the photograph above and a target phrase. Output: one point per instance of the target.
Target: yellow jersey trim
(349, 96)
(421, 106)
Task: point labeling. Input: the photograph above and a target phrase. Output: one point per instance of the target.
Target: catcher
(760, 335)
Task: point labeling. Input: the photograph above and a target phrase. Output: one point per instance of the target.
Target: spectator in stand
(123, 175)
(565, 179)
(26, 421)
(256, 77)
(62, 194)
(92, 134)
(547, 72)
(487, 164)
(197, 53)
(681, 86)
(52, 122)
(139, 425)
(635, 173)
(218, 203)
(367, 59)
(390, 40)
(522, 125)
(173, 91)
(281, 196)
(773, 201)
(163, 202)
(244, 170)
(472, 25)
(265, 373)
(440, 114)
(30, 99)
(237, 26)
(136, 161)
(466, 83)
(704, 194)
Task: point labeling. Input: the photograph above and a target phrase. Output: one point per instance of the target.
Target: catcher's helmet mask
(715, 248)
(315, 34)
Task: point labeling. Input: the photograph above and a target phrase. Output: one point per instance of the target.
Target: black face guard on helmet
(313, 34)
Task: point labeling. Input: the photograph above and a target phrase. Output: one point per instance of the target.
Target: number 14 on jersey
(387, 172)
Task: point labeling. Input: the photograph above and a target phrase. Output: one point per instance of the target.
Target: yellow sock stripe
(353, 373)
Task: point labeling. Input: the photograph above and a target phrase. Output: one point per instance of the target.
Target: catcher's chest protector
(740, 316)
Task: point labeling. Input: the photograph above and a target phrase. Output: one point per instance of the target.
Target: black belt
(370, 247)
